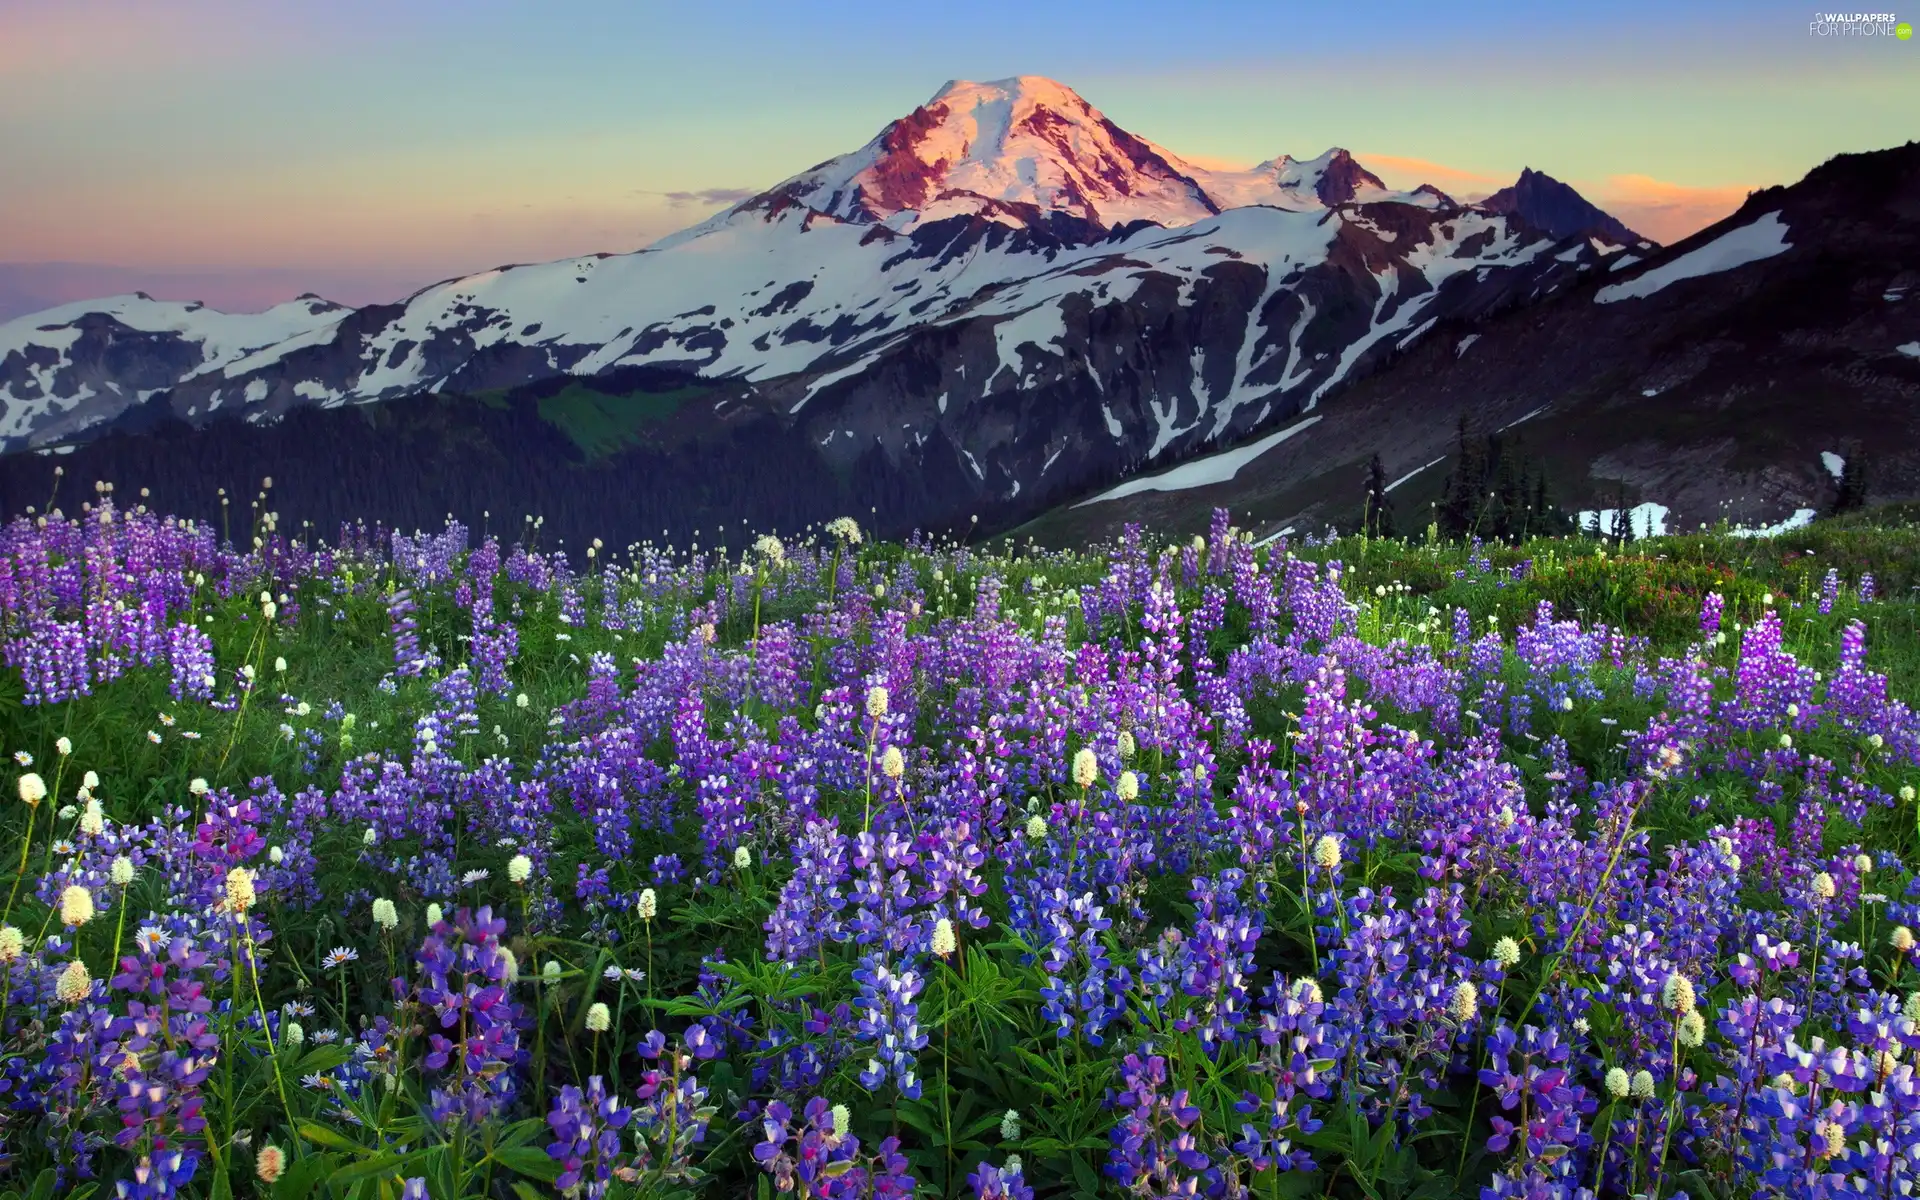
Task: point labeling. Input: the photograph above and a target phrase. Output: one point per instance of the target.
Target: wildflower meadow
(455, 865)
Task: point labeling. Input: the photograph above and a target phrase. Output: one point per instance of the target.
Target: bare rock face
(1557, 210)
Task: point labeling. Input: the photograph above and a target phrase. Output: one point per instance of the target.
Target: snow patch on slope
(1645, 520)
(1410, 474)
(1801, 517)
(1202, 472)
(1753, 242)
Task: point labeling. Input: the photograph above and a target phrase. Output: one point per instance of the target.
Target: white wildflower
(240, 894)
(1692, 1028)
(1464, 1002)
(74, 984)
(76, 905)
(1086, 768)
(1677, 993)
(1326, 852)
(1830, 1139)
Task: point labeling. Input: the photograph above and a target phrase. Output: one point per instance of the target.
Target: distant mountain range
(999, 303)
(1734, 374)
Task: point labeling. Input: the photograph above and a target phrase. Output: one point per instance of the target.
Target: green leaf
(222, 1188)
(525, 1160)
(521, 1132)
(370, 1170)
(1085, 1175)
(302, 1174)
(315, 1132)
(322, 1058)
(525, 1190)
(912, 1115)
(43, 1185)
(980, 1126)
(834, 1170)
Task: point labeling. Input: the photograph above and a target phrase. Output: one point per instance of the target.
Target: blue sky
(418, 138)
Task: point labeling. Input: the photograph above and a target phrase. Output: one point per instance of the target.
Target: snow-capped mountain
(1003, 278)
(1735, 374)
(1022, 151)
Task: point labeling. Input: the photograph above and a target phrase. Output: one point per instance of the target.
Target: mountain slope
(1728, 375)
(1002, 279)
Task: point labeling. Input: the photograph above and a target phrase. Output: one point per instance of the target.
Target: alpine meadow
(913, 641)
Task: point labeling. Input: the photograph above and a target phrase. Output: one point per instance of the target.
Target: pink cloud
(1659, 209)
(1407, 173)
(1663, 211)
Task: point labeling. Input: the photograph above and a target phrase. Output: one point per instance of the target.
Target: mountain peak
(1028, 150)
(1341, 179)
(980, 147)
(1556, 209)
(1031, 89)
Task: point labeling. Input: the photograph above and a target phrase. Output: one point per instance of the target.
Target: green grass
(602, 424)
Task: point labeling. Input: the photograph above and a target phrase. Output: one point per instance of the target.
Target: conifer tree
(1851, 488)
(1379, 510)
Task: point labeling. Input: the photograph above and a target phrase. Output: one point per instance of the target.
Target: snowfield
(1764, 238)
(1202, 472)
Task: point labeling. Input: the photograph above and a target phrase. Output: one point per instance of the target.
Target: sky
(241, 152)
